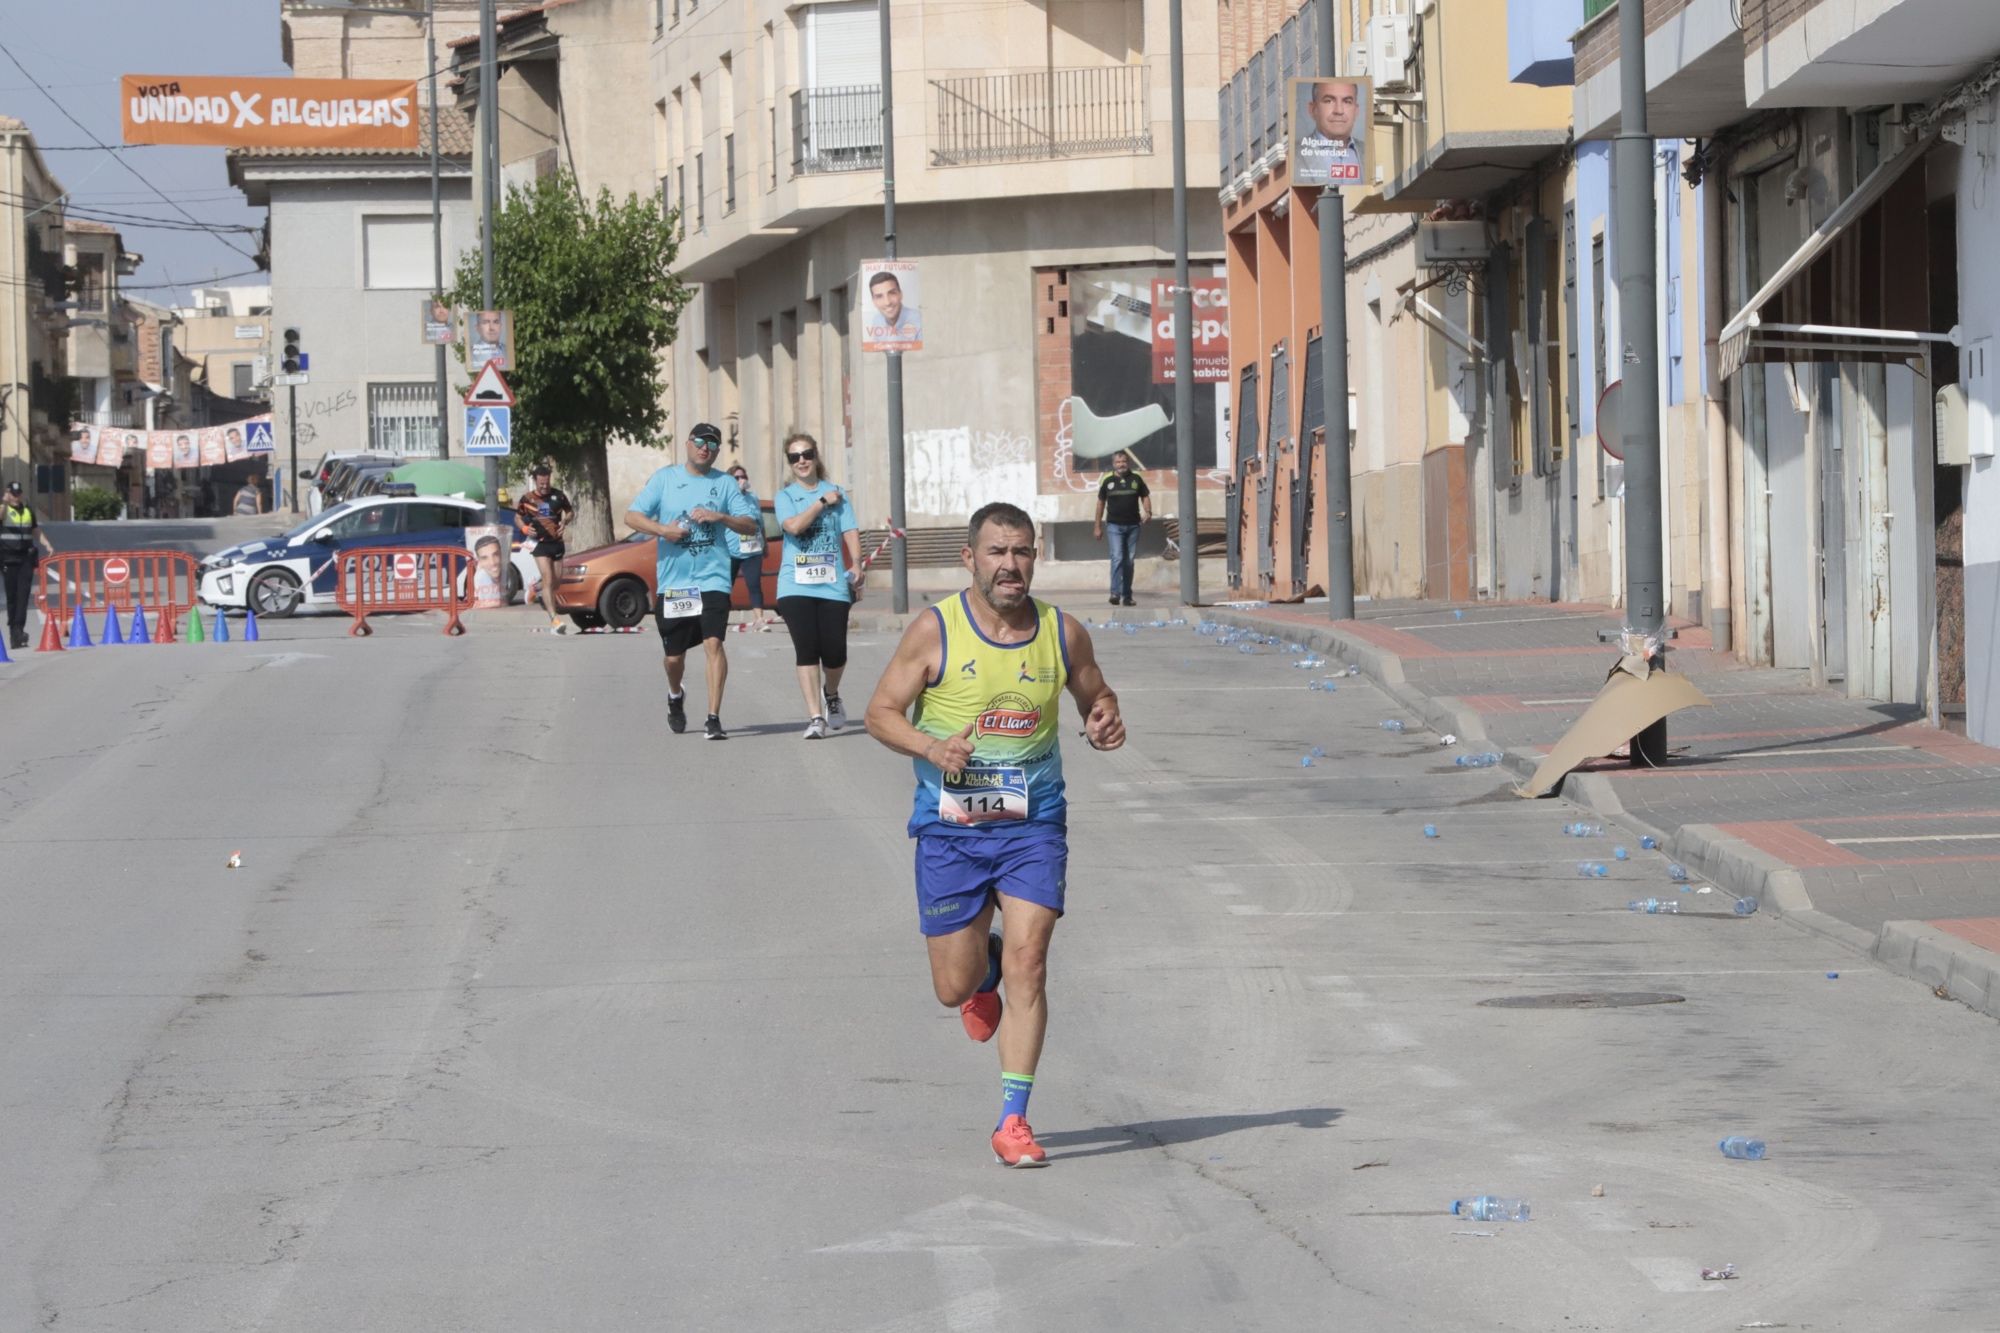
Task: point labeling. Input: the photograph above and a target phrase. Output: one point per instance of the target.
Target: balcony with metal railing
(1043, 114)
(837, 129)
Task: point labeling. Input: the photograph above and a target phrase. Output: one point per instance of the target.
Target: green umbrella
(437, 476)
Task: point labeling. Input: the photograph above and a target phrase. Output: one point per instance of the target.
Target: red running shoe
(1014, 1144)
(981, 1015)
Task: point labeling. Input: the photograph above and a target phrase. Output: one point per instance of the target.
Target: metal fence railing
(837, 129)
(1085, 112)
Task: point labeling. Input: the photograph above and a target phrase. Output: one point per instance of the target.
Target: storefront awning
(1739, 334)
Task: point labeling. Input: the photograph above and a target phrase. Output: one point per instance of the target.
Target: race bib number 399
(983, 796)
(679, 603)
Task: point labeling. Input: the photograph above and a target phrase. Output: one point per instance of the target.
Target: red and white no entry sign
(116, 571)
(406, 567)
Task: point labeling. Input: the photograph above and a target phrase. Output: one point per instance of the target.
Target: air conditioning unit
(1446, 244)
(1357, 61)
(1389, 49)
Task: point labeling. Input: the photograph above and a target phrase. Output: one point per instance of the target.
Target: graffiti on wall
(954, 470)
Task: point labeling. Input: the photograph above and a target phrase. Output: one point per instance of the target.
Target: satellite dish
(1610, 427)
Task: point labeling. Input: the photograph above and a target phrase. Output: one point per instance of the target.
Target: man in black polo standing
(20, 535)
(1123, 503)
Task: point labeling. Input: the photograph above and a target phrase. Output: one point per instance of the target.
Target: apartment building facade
(1845, 151)
(1461, 441)
(1033, 191)
(351, 243)
(36, 402)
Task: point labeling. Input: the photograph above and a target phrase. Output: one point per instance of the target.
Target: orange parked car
(614, 585)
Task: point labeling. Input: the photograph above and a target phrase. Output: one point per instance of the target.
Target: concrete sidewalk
(1851, 818)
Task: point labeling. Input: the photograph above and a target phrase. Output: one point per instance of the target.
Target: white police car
(276, 576)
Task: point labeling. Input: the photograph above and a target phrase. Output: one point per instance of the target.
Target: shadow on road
(1187, 1129)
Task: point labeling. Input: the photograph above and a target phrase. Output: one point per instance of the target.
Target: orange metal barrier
(166, 583)
(404, 578)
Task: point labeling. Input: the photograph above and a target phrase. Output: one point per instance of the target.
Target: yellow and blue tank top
(1011, 695)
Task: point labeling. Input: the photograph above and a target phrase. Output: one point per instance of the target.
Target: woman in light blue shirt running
(817, 579)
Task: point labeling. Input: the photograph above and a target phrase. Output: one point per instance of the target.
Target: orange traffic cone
(51, 636)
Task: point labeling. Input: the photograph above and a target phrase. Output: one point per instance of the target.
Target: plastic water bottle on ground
(1353, 668)
(1319, 752)
(1743, 1148)
(1654, 907)
(1491, 1208)
(1620, 854)
(1746, 906)
(1313, 685)
(1430, 830)
(1677, 873)
(1305, 761)
(1392, 724)
(1650, 843)
(1592, 869)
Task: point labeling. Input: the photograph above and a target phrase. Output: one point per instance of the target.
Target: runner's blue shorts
(956, 872)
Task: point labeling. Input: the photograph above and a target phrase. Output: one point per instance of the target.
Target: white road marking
(1918, 837)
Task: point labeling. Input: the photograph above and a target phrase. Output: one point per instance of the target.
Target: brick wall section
(1052, 379)
(1761, 18)
(1598, 47)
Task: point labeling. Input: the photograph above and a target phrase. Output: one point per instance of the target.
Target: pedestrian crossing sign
(259, 440)
(489, 431)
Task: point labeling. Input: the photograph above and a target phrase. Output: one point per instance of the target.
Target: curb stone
(1913, 949)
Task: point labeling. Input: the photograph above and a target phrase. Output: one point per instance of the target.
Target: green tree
(595, 303)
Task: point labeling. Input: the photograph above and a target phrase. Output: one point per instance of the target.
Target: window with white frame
(402, 418)
(396, 252)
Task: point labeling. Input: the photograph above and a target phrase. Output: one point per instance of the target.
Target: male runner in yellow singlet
(985, 672)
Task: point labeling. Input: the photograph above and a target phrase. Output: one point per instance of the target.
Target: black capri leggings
(819, 630)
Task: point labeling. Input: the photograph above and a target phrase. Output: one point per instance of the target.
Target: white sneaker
(836, 716)
(816, 729)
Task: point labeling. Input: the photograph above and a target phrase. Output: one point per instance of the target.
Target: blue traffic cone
(249, 625)
(221, 627)
(79, 629)
(3, 650)
(110, 633)
(139, 634)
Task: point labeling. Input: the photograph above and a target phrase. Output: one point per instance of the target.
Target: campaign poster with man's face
(213, 453)
(1329, 131)
(439, 326)
(490, 337)
(187, 453)
(490, 556)
(83, 446)
(234, 447)
(891, 307)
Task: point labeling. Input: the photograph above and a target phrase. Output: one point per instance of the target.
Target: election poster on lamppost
(892, 306)
(1329, 134)
(1210, 298)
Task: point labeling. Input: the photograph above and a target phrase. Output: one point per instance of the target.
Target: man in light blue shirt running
(689, 507)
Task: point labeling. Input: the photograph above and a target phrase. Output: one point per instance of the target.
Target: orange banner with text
(231, 112)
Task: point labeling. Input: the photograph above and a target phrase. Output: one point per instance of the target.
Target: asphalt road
(524, 1014)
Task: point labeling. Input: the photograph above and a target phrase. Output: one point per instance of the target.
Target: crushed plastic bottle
(1392, 724)
(1581, 830)
(1654, 907)
(1319, 752)
(1745, 907)
(1620, 854)
(1246, 647)
(1743, 1148)
(1430, 830)
(1650, 843)
(1677, 873)
(1314, 686)
(1305, 761)
(1592, 869)
(1458, 615)
(1353, 668)
(1491, 1208)
(1329, 686)
(1486, 760)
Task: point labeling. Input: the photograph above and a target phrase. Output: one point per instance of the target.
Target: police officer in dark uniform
(20, 535)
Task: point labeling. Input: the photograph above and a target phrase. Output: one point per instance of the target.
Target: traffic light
(294, 359)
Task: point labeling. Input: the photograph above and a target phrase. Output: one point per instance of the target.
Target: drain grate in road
(1585, 999)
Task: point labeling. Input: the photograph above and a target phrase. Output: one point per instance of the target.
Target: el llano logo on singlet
(1008, 715)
